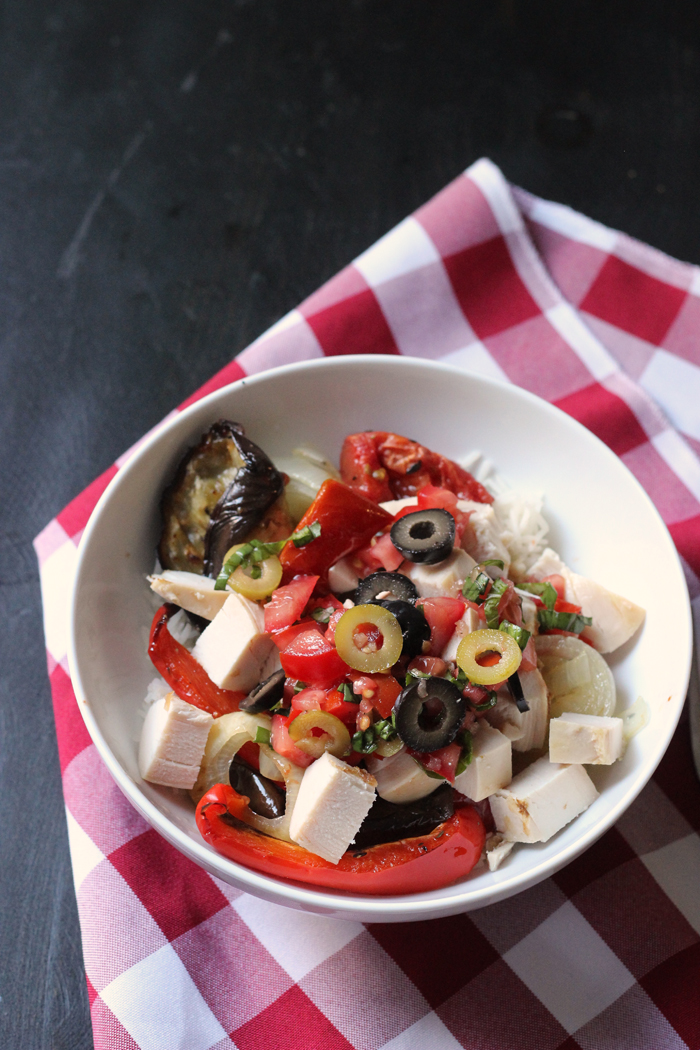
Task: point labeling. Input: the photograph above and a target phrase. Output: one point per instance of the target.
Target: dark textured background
(174, 176)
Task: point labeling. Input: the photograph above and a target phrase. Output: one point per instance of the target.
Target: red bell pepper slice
(412, 865)
(310, 658)
(184, 675)
(348, 521)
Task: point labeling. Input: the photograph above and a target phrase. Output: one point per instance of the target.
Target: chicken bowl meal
(362, 653)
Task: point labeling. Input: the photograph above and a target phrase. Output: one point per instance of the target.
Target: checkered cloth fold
(604, 954)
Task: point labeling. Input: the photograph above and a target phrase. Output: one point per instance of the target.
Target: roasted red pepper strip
(348, 521)
(384, 466)
(414, 865)
(184, 675)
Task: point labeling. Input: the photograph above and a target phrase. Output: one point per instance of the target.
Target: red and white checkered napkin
(606, 953)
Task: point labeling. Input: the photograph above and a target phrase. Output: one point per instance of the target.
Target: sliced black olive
(389, 822)
(228, 478)
(516, 691)
(414, 626)
(429, 714)
(266, 799)
(426, 536)
(265, 694)
(400, 588)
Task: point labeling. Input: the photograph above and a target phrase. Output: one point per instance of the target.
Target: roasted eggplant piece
(389, 821)
(225, 490)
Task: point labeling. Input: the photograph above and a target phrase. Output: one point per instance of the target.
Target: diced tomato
(561, 606)
(310, 658)
(309, 699)
(287, 603)
(444, 761)
(433, 665)
(348, 521)
(283, 744)
(529, 660)
(510, 607)
(433, 496)
(332, 624)
(569, 634)
(475, 693)
(442, 615)
(384, 690)
(283, 638)
(558, 583)
(336, 704)
(250, 753)
(381, 555)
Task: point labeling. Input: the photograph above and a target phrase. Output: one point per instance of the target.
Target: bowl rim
(292, 894)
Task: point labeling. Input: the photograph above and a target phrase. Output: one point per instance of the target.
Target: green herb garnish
(545, 591)
(254, 551)
(563, 621)
(262, 736)
(519, 633)
(322, 614)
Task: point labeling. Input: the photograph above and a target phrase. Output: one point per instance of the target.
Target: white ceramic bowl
(602, 523)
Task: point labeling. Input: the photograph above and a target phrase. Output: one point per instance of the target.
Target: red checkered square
(452, 952)
(354, 326)
(496, 1011)
(676, 776)
(573, 266)
(686, 536)
(345, 285)
(535, 356)
(176, 892)
(602, 857)
(458, 217)
(606, 415)
(652, 821)
(613, 904)
(291, 1018)
(674, 988)
(224, 947)
(71, 733)
(682, 337)
(98, 805)
(489, 288)
(107, 1031)
(74, 517)
(360, 1012)
(663, 485)
(634, 301)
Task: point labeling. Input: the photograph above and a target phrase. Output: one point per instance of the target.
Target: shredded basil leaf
(385, 729)
(280, 709)
(491, 610)
(262, 736)
(299, 686)
(519, 633)
(322, 615)
(563, 621)
(545, 591)
(473, 590)
(307, 534)
(488, 703)
(465, 758)
(348, 696)
(412, 675)
(494, 561)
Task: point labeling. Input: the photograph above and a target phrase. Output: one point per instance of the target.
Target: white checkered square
(405, 248)
(298, 940)
(161, 1008)
(57, 573)
(675, 384)
(569, 968)
(84, 854)
(676, 868)
(427, 1034)
(475, 358)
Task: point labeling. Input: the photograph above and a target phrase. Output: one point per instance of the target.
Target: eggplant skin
(390, 822)
(225, 490)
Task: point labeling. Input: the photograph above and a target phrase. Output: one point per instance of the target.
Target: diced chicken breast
(445, 578)
(173, 739)
(491, 766)
(497, 849)
(541, 800)
(615, 619)
(593, 740)
(342, 576)
(333, 800)
(484, 541)
(234, 648)
(401, 779)
(526, 729)
(468, 622)
(190, 591)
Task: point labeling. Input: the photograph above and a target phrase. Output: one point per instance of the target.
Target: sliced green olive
(242, 582)
(369, 638)
(333, 737)
(477, 644)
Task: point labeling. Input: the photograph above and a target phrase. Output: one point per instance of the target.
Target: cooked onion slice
(577, 676)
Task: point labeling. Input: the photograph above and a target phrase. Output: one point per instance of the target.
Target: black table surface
(175, 176)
